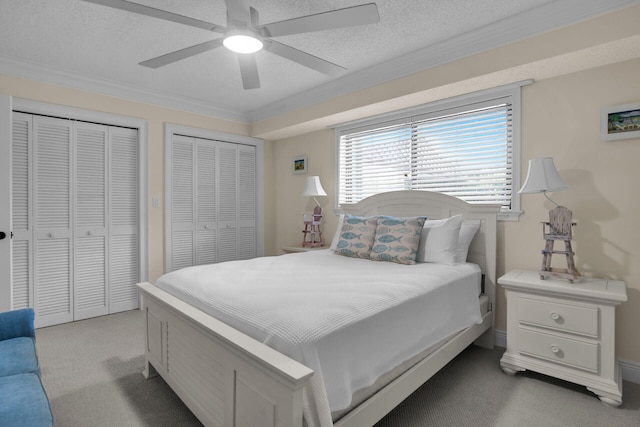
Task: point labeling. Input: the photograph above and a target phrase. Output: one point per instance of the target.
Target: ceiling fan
(245, 35)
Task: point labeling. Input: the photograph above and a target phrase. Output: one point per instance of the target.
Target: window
(465, 148)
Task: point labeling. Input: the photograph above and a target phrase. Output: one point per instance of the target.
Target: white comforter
(350, 320)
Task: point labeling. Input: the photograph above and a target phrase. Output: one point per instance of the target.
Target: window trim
(459, 102)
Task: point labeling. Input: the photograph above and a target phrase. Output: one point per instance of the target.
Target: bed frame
(229, 379)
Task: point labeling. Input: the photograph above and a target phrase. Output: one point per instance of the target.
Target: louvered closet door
(247, 229)
(212, 202)
(123, 251)
(21, 211)
(193, 202)
(75, 218)
(228, 203)
(90, 231)
(206, 230)
(182, 203)
(53, 278)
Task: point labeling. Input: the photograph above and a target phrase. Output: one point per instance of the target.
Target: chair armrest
(17, 323)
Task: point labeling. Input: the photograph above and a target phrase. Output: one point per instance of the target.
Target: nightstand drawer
(579, 354)
(561, 317)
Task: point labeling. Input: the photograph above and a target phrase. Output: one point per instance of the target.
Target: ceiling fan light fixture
(242, 41)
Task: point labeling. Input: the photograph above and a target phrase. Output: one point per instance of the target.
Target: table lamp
(312, 233)
(543, 177)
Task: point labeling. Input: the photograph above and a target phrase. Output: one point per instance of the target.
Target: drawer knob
(554, 315)
(554, 349)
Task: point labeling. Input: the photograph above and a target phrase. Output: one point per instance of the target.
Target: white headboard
(437, 206)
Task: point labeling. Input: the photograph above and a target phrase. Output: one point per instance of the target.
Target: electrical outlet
(155, 201)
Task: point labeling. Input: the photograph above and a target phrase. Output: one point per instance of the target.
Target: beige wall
(156, 117)
(560, 118)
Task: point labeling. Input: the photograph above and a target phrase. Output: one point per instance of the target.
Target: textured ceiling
(94, 47)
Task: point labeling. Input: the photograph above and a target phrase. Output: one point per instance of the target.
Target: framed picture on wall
(620, 122)
(300, 164)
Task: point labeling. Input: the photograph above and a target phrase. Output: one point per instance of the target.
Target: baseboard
(630, 370)
(500, 338)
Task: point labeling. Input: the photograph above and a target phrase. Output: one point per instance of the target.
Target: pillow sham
(336, 235)
(397, 239)
(439, 240)
(356, 236)
(468, 230)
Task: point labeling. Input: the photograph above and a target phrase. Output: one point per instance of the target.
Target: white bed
(227, 370)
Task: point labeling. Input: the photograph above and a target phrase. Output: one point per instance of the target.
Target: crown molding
(34, 71)
(546, 18)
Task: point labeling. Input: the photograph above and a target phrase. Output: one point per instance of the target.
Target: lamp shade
(313, 187)
(542, 176)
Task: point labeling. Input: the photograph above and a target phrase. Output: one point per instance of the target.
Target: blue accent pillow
(356, 236)
(397, 239)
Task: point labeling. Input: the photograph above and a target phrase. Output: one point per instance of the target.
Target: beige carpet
(91, 371)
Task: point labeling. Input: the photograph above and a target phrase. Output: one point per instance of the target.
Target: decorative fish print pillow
(397, 239)
(356, 236)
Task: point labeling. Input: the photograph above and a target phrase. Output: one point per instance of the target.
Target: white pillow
(336, 235)
(439, 240)
(468, 230)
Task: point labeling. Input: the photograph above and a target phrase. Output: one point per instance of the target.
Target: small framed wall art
(300, 164)
(620, 122)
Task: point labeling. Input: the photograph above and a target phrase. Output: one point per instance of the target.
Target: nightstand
(565, 330)
(293, 249)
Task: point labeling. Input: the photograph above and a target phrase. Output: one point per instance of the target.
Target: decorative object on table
(543, 177)
(300, 164)
(312, 233)
(620, 122)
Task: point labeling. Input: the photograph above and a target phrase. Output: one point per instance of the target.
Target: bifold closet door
(237, 211)
(194, 202)
(22, 294)
(52, 214)
(246, 237)
(123, 266)
(212, 202)
(90, 230)
(74, 218)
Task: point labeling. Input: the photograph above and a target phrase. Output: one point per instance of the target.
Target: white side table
(565, 330)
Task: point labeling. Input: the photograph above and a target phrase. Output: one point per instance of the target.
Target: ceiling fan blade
(238, 13)
(339, 18)
(158, 13)
(249, 71)
(303, 58)
(182, 54)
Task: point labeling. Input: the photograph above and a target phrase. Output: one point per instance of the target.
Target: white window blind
(465, 151)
